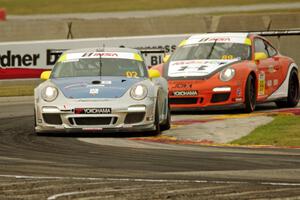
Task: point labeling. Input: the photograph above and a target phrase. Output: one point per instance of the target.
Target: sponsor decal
(92, 110)
(94, 91)
(238, 92)
(275, 82)
(271, 69)
(183, 85)
(52, 55)
(261, 83)
(102, 54)
(185, 93)
(10, 59)
(238, 99)
(213, 39)
(269, 83)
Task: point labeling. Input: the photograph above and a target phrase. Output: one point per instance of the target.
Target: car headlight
(227, 74)
(49, 93)
(138, 92)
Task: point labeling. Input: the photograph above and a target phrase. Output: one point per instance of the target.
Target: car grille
(216, 98)
(53, 119)
(183, 100)
(93, 120)
(132, 118)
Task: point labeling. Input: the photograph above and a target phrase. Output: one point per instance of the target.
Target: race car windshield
(213, 51)
(91, 67)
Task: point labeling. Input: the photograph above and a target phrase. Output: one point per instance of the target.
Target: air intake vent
(52, 119)
(133, 118)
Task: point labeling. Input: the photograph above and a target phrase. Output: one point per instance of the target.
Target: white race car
(101, 90)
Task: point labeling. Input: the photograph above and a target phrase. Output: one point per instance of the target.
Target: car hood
(94, 87)
(197, 68)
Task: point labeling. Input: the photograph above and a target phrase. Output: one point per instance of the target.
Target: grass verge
(282, 131)
(21, 7)
(17, 90)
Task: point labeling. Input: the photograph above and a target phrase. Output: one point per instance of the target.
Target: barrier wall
(40, 55)
(20, 30)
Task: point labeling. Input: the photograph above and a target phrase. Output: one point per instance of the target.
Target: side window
(271, 50)
(260, 46)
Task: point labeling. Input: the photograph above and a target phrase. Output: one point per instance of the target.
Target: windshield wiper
(212, 49)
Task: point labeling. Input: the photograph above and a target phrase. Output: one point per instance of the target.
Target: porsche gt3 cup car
(101, 90)
(229, 70)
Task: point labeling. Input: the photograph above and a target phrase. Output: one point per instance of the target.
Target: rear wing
(146, 51)
(277, 33)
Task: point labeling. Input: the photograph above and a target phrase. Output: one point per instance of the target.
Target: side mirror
(153, 73)
(260, 56)
(166, 58)
(45, 75)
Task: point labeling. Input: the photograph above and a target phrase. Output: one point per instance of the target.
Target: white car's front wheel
(167, 124)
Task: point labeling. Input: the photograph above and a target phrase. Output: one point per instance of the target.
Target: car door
(268, 69)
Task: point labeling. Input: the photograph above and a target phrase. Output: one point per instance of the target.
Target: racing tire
(167, 124)
(157, 130)
(293, 92)
(250, 95)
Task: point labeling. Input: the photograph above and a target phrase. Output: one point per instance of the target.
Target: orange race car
(229, 70)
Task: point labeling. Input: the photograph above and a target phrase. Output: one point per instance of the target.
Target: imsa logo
(185, 93)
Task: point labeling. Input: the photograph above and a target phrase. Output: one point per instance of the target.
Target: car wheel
(293, 92)
(250, 95)
(34, 118)
(167, 124)
(156, 122)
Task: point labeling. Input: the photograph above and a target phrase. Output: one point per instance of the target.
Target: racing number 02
(131, 74)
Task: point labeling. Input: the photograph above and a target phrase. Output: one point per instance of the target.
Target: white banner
(43, 54)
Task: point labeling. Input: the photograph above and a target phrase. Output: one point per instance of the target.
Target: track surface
(58, 167)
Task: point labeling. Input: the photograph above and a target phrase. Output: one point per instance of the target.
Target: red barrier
(2, 14)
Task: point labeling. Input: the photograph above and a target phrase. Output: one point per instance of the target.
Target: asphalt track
(63, 167)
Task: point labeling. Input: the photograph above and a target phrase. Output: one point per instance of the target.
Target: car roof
(103, 49)
(221, 34)
(227, 37)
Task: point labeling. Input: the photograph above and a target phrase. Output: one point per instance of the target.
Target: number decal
(182, 68)
(131, 74)
(227, 57)
(201, 68)
(261, 83)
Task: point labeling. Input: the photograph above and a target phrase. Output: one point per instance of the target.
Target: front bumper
(214, 98)
(212, 108)
(124, 117)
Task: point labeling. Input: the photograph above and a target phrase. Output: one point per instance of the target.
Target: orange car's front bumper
(203, 94)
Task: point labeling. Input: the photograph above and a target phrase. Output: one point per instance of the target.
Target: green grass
(282, 131)
(20, 7)
(17, 90)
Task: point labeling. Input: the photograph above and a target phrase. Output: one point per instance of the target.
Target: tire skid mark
(51, 186)
(148, 180)
(195, 189)
(254, 192)
(95, 191)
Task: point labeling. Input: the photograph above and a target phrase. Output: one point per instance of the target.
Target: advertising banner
(29, 59)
